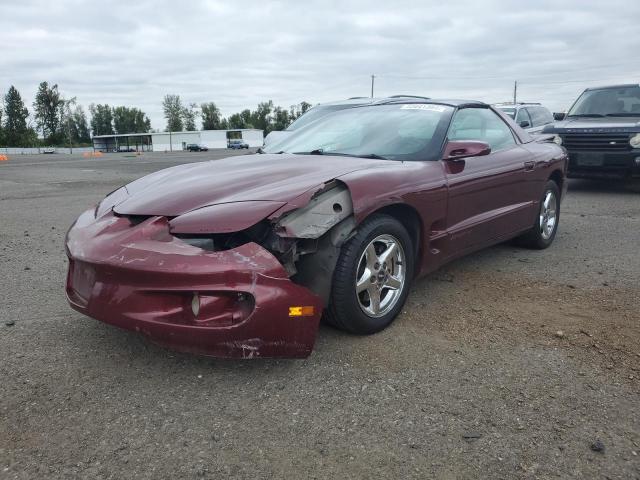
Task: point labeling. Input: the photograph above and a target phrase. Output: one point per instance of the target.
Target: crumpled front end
(238, 302)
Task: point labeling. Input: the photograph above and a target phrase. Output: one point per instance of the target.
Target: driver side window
(483, 125)
(523, 116)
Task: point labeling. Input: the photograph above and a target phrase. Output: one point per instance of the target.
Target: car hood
(248, 178)
(593, 125)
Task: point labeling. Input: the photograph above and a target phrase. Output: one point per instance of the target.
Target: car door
(487, 198)
(524, 119)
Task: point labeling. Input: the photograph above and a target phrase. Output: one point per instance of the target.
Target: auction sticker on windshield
(424, 106)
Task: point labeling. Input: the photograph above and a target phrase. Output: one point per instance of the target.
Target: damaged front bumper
(233, 303)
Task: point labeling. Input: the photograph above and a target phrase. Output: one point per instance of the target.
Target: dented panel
(141, 278)
(224, 217)
(325, 210)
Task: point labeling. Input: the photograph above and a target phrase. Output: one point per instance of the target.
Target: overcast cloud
(240, 53)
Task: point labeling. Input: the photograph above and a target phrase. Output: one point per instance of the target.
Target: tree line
(58, 121)
(266, 116)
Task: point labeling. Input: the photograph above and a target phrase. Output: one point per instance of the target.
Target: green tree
(67, 125)
(235, 121)
(261, 117)
(281, 119)
(241, 120)
(1, 128)
(15, 130)
(49, 110)
(75, 124)
(211, 117)
(130, 120)
(101, 119)
(296, 110)
(247, 118)
(173, 112)
(304, 106)
(189, 115)
(142, 122)
(80, 125)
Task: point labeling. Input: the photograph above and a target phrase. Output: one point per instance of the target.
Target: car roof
(516, 105)
(438, 101)
(356, 101)
(627, 85)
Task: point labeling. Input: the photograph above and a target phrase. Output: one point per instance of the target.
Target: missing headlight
(205, 243)
(216, 242)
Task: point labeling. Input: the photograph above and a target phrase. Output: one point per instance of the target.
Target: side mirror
(524, 124)
(457, 150)
(559, 116)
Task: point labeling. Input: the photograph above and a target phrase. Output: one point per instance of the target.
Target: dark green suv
(601, 132)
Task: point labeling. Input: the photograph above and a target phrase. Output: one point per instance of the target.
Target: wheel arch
(410, 219)
(558, 177)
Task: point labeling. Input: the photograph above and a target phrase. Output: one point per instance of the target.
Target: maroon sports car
(241, 257)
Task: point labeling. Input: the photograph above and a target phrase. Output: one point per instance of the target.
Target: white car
(531, 116)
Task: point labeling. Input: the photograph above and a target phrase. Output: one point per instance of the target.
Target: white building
(175, 141)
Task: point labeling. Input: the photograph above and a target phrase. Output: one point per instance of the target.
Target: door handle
(529, 165)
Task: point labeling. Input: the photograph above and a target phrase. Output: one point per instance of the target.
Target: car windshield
(608, 102)
(509, 111)
(394, 132)
(313, 114)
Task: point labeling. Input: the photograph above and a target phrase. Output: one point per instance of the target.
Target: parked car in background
(194, 147)
(601, 132)
(242, 256)
(236, 144)
(48, 150)
(533, 117)
(323, 109)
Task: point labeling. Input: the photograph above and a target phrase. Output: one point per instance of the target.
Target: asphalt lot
(507, 364)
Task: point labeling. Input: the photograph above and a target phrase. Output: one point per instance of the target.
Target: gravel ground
(507, 364)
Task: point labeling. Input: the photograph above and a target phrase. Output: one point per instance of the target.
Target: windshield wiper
(373, 156)
(623, 114)
(317, 151)
(260, 150)
(592, 115)
(320, 151)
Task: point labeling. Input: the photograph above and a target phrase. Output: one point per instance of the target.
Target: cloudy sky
(240, 53)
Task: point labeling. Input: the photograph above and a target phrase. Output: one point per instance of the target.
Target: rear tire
(372, 277)
(545, 227)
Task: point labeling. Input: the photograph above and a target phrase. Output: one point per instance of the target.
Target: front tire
(544, 230)
(372, 277)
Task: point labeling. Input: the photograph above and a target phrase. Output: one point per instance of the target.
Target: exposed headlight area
(557, 139)
(216, 242)
(634, 141)
(111, 200)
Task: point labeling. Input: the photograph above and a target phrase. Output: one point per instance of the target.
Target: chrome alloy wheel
(548, 215)
(380, 276)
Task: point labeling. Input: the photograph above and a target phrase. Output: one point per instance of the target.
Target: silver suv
(530, 116)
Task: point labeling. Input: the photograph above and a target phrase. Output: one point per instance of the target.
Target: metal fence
(36, 150)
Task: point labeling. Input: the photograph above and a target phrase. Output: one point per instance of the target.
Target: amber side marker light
(300, 311)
